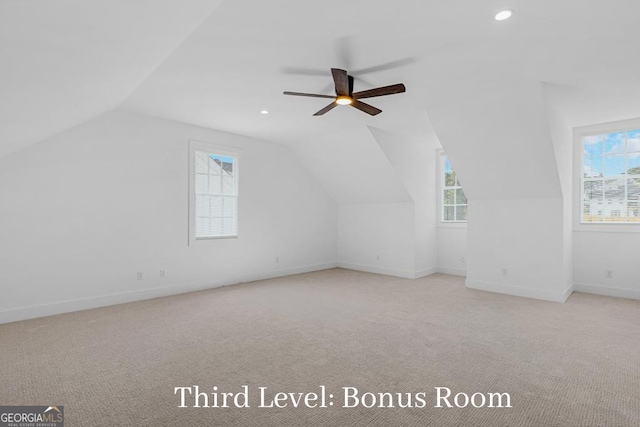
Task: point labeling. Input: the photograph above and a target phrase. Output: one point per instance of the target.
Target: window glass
(215, 187)
(611, 178)
(453, 199)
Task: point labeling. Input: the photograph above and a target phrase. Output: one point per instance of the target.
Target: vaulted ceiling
(65, 62)
(218, 63)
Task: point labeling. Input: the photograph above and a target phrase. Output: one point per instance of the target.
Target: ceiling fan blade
(312, 95)
(341, 80)
(380, 91)
(327, 108)
(369, 109)
(386, 66)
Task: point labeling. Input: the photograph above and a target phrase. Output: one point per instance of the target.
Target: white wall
(587, 255)
(83, 211)
(351, 167)
(384, 184)
(377, 237)
(452, 249)
(562, 139)
(596, 252)
(451, 237)
(499, 143)
(599, 248)
(500, 146)
(522, 236)
(414, 162)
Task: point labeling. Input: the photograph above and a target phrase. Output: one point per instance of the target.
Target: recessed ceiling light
(504, 14)
(264, 112)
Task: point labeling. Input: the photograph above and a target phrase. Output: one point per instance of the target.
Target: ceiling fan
(345, 95)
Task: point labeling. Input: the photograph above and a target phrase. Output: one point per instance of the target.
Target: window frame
(440, 156)
(210, 148)
(578, 158)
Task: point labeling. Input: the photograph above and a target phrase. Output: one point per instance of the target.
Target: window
(454, 201)
(213, 192)
(611, 177)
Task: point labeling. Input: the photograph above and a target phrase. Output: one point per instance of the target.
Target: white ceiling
(200, 62)
(336, 160)
(66, 61)
(234, 64)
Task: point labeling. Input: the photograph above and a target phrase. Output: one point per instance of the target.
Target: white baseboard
(453, 271)
(520, 292)
(31, 312)
(378, 270)
(425, 272)
(607, 290)
(405, 274)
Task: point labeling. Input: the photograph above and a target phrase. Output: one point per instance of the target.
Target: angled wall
(499, 143)
(412, 156)
(84, 211)
(377, 237)
(352, 167)
(385, 198)
(64, 63)
(562, 139)
(596, 249)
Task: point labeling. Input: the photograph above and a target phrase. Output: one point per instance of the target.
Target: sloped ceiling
(500, 144)
(412, 159)
(64, 62)
(352, 167)
(239, 62)
(242, 57)
(198, 63)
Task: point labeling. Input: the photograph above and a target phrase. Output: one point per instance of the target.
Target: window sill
(453, 224)
(216, 237)
(607, 228)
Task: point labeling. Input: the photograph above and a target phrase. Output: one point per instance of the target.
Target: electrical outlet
(608, 274)
(378, 257)
(163, 273)
(505, 272)
(462, 259)
(140, 275)
(277, 259)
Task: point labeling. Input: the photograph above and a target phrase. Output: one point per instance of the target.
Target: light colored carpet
(573, 364)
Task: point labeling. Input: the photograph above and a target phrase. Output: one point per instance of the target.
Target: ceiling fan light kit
(345, 95)
(344, 100)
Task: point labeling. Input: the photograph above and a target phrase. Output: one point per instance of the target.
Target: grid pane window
(611, 178)
(454, 201)
(216, 195)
